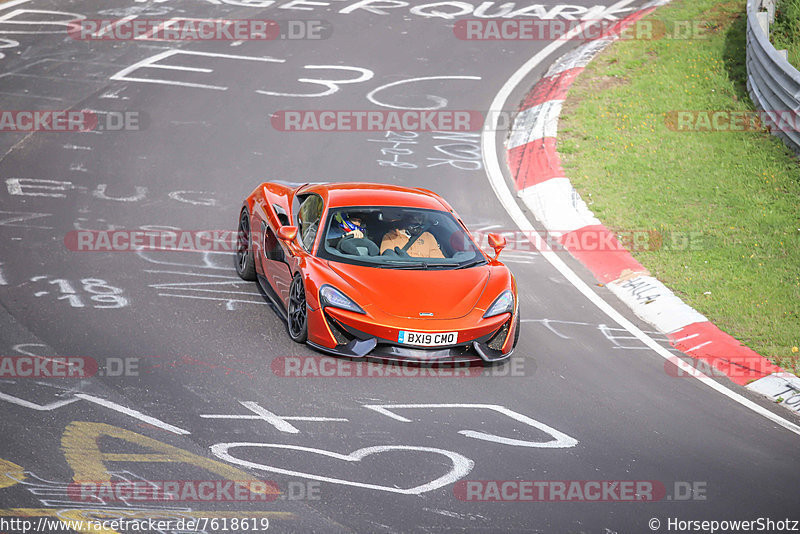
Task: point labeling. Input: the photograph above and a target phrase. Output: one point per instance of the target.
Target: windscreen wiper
(404, 265)
(440, 265)
(420, 265)
(471, 264)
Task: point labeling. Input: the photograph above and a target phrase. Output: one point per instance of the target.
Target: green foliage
(738, 190)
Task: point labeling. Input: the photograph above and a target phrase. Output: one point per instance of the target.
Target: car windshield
(392, 237)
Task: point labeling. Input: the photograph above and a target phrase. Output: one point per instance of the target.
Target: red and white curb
(544, 188)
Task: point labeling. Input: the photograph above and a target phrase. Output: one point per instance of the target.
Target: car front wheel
(245, 265)
(297, 312)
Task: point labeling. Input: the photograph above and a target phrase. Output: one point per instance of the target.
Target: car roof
(345, 194)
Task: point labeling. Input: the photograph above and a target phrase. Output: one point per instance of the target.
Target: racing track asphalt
(204, 342)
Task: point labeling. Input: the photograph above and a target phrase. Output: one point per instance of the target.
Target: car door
(309, 219)
(275, 265)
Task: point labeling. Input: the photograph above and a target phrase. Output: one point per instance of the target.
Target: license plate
(426, 339)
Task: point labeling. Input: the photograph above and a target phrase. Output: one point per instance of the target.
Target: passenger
(424, 246)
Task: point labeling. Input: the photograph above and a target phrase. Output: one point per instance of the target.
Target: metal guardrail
(773, 83)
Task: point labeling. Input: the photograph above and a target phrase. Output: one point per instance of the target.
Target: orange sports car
(378, 271)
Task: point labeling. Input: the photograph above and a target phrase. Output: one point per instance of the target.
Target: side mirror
(497, 242)
(287, 233)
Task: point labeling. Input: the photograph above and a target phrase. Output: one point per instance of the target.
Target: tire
(516, 331)
(297, 312)
(245, 264)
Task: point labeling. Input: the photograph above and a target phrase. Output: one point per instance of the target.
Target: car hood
(447, 294)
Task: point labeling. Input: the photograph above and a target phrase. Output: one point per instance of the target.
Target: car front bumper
(485, 343)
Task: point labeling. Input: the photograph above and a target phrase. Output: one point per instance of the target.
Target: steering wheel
(351, 246)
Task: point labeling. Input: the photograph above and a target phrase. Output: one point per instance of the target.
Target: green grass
(739, 190)
(785, 32)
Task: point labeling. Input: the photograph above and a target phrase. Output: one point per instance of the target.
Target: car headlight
(502, 304)
(330, 296)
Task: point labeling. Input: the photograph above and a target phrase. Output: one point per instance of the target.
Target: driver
(425, 246)
(351, 225)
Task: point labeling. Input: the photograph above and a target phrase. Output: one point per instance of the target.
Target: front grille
(432, 353)
(497, 340)
(342, 338)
